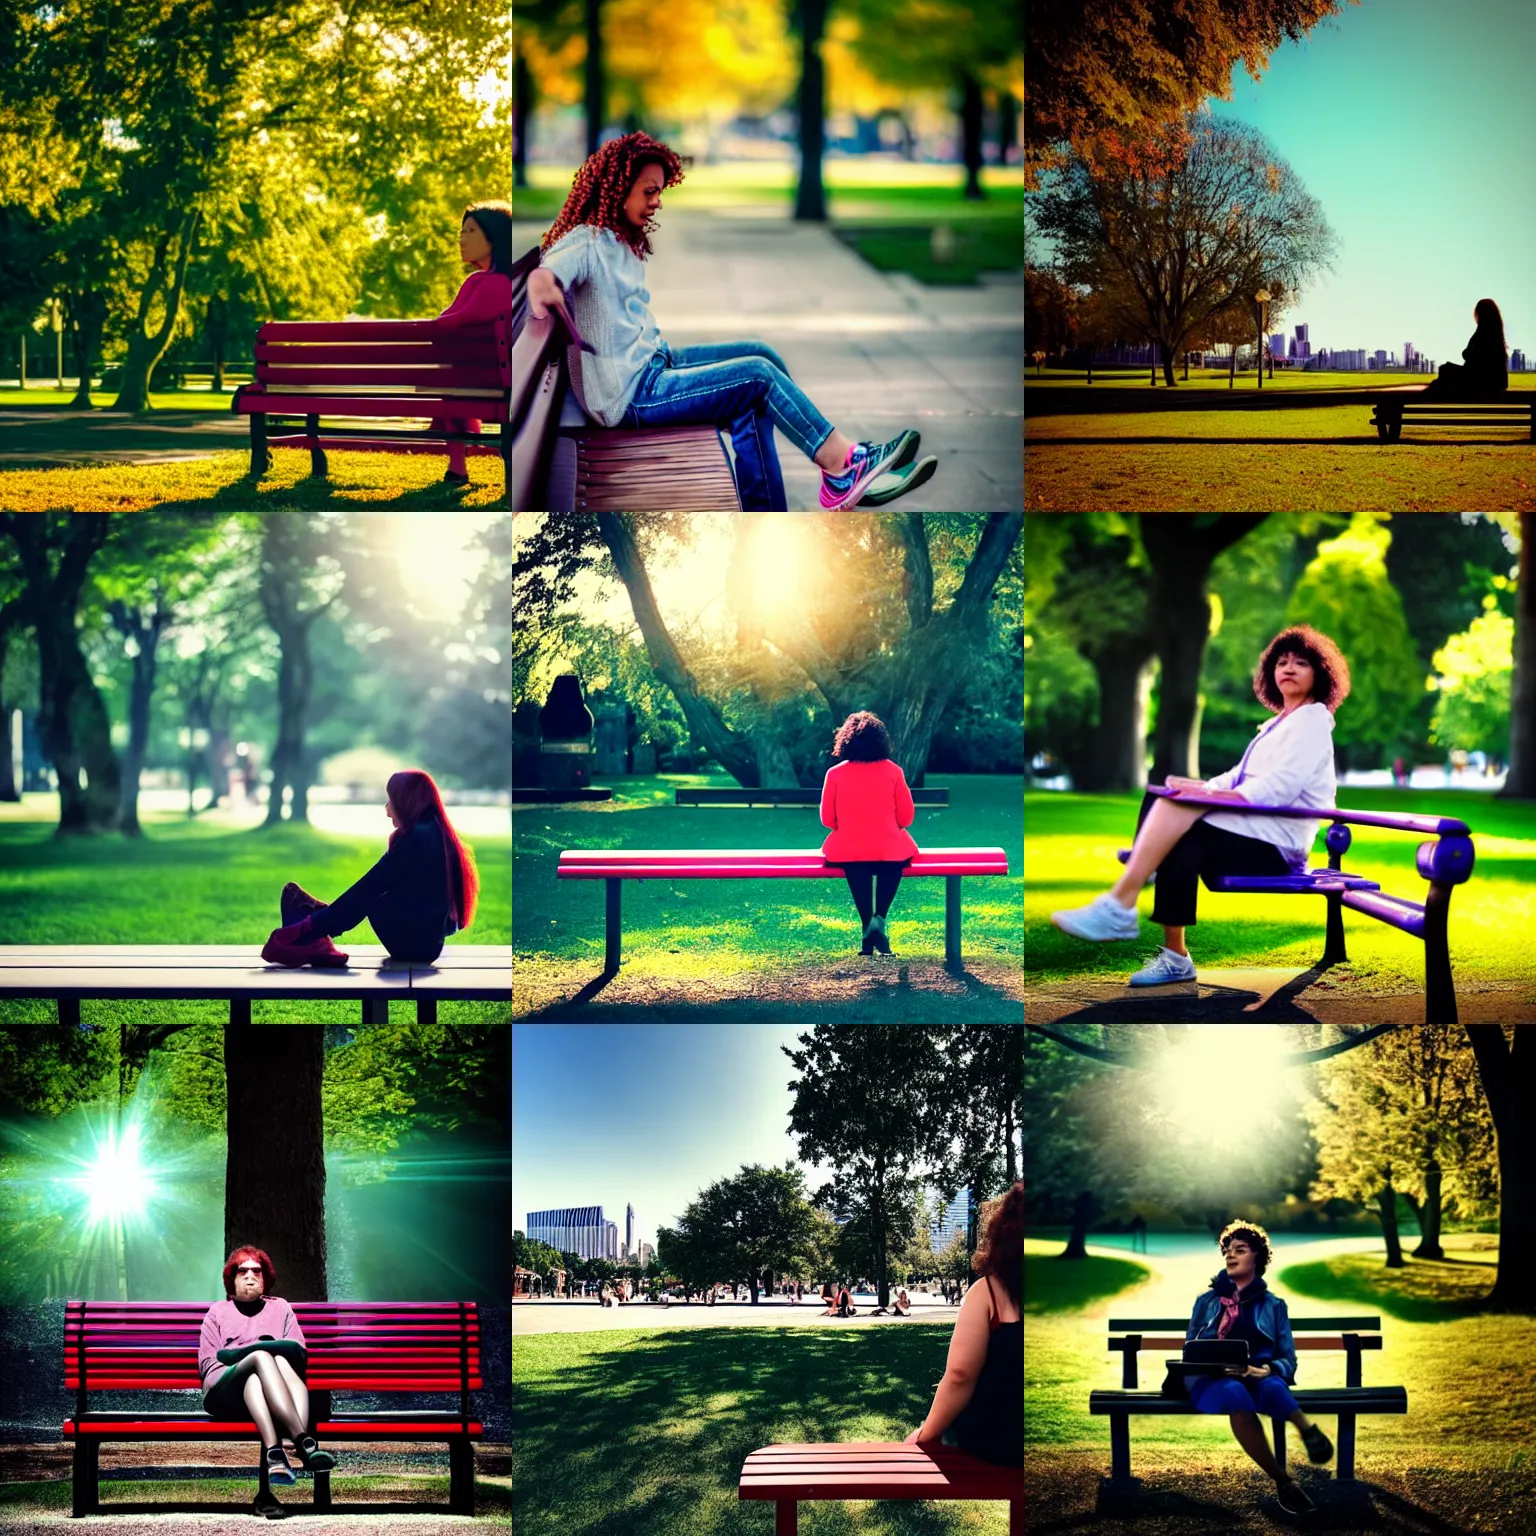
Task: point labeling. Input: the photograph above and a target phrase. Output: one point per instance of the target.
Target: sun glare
(778, 557)
(1210, 1067)
(116, 1185)
(437, 559)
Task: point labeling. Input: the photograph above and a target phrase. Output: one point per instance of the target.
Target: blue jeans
(1267, 1395)
(742, 385)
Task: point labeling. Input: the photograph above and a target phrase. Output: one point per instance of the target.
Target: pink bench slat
(408, 406)
(338, 441)
(758, 863)
(874, 1470)
(433, 374)
(358, 330)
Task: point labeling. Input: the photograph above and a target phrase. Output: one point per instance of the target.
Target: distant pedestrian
(1138, 1233)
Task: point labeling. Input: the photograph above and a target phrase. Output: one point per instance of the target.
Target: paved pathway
(42, 438)
(875, 351)
(585, 1316)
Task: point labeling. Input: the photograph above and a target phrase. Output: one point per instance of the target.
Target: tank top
(991, 1425)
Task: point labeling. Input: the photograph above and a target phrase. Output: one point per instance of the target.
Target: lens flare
(116, 1184)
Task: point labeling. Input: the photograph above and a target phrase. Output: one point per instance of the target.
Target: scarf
(1231, 1301)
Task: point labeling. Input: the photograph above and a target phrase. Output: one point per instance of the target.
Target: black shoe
(269, 1507)
(278, 1469)
(312, 1458)
(882, 943)
(1292, 1499)
(449, 478)
(1319, 1446)
(869, 938)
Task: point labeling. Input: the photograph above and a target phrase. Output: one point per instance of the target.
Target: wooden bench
(1352, 1335)
(776, 797)
(374, 1346)
(1391, 411)
(616, 865)
(235, 972)
(1445, 864)
(875, 1469)
(394, 370)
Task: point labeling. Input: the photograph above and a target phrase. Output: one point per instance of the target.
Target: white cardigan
(1289, 762)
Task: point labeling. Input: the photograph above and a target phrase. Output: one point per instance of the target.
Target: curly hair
(862, 738)
(603, 183)
(1000, 1251)
(1256, 1238)
(268, 1270)
(1330, 683)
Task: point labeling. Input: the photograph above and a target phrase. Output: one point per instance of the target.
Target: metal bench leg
(1277, 1433)
(426, 1010)
(322, 1490)
(1120, 1445)
(85, 1499)
(952, 922)
(1439, 989)
(461, 1477)
(376, 1009)
(239, 1010)
(615, 927)
(69, 1011)
(261, 459)
(318, 467)
(1346, 1448)
(1333, 949)
(786, 1518)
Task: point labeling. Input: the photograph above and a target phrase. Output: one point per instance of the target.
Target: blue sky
(644, 1113)
(1413, 122)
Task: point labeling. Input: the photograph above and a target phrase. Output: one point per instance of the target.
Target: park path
(875, 351)
(43, 438)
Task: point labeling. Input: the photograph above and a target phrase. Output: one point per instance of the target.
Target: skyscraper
(610, 1241)
(629, 1229)
(952, 1218)
(574, 1229)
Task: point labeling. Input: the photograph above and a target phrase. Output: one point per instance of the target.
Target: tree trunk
(75, 728)
(1507, 1069)
(1429, 1215)
(132, 624)
(1084, 1209)
(274, 1178)
(810, 195)
(1007, 125)
(166, 283)
(522, 116)
(86, 313)
(1520, 781)
(1386, 1209)
(217, 329)
(1117, 745)
(1168, 377)
(11, 617)
(971, 110)
(595, 95)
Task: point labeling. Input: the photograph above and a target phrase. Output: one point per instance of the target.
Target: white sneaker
(1166, 966)
(1103, 918)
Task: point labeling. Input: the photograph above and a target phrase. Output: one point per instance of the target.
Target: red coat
(867, 806)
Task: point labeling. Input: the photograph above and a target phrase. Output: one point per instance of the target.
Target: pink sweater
(483, 296)
(227, 1327)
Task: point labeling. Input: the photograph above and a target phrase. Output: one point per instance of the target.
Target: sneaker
(1166, 966)
(1293, 1500)
(279, 1472)
(869, 938)
(295, 946)
(897, 482)
(1103, 918)
(313, 1459)
(1319, 1446)
(449, 478)
(865, 463)
(269, 1507)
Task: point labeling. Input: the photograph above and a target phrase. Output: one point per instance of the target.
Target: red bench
(615, 865)
(381, 370)
(370, 1346)
(875, 1469)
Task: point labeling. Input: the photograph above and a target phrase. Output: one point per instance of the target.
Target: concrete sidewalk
(874, 351)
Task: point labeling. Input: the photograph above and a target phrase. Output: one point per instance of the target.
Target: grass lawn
(1053, 1285)
(200, 883)
(102, 397)
(692, 933)
(220, 482)
(1202, 380)
(1424, 1290)
(1070, 858)
(644, 1430)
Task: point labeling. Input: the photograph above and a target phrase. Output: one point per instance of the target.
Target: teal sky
(1413, 122)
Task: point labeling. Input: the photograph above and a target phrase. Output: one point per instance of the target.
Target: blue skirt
(1267, 1395)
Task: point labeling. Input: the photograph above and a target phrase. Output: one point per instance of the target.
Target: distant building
(1277, 346)
(1517, 361)
(952, 1218)
(610, 1241)
(577, 1229)
(647, 1253)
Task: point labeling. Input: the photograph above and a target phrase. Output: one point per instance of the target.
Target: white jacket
(1289, 762)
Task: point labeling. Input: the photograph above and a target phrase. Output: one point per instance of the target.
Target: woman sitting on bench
(1239, 1305)
(244, 1379)
(979, 1404)
(1484, 369)
(1302, 679)
(422, 890)
(596, 250)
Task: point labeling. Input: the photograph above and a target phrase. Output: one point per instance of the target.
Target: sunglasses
(249, 1269)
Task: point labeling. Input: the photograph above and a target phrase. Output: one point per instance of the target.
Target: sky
(1413, 122)
(649, 1114)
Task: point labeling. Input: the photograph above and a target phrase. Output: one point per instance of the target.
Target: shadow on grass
(650, 1433)
(1054, 1284)
(1425, 1291)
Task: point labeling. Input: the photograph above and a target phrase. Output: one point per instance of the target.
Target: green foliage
(740, 1226)
(1473, 675)
(51, 1068)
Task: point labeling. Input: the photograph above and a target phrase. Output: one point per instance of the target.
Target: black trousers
(396, 921)
(1204, 853)
(886, 873)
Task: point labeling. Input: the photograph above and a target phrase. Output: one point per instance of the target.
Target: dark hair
(1256, 1238)
(268, 1272)
(495, 221)
(1330, 682)
(1490, 322)
(413, 793)
(604, 182)
(1000, 1251)
(862, 738)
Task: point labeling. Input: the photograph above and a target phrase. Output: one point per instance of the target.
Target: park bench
(616, 865)
(235, 973)
(393, 371)
(365, 1346)
(1352, 1335)
(1444, 863)
(777, 797)
(1391, 411)
(875, 1469)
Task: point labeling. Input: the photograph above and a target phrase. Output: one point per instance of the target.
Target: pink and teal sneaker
(865, 464)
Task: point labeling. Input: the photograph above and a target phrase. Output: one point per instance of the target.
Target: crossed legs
(277, 1400)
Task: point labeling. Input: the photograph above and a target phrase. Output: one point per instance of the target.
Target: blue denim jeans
(1267, 1395)
(742, 385)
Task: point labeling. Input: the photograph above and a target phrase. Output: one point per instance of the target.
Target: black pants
(886, 873)
(396, 922)
(1204, 853)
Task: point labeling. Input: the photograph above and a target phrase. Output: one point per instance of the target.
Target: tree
(1506, 1065)
(1472, 681)
(1185, 229)
(1050, 312)
(1115, 69)
(977, 1123)
(757, 1220)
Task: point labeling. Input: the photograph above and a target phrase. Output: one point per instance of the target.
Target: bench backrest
(1352, 1335)
(392, 354)
(762, 863)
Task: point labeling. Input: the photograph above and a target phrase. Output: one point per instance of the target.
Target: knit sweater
(605, 282)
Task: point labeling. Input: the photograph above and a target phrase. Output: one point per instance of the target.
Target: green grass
(1424, 1291)
(398, 481)
(1070, 857)
(991, 245)
(1054, 1284)
(103, 396)
(199, 883)
(645, 1429)
(1215, 380)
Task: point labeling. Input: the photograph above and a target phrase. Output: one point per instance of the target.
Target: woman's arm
(351, 907)
(906, 812)
(967, 1355)
(1284, 1363)
(208, 1345)
(291, 1329)
(484, 297)
(1307, 743)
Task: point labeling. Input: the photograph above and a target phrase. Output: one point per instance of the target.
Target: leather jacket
(1275, 1348)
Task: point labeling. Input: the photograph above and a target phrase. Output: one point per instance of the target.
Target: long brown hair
(1001, 1249)
(603, 183)
(413, 793)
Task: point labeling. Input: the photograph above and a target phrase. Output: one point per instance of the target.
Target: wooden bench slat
(1347, 1324)
(1325, 1341)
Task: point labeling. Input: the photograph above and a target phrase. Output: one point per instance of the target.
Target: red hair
(604, 182)
(413, 793)
(268, 1273)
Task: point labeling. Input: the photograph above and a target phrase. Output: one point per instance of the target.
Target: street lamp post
(1262, 298)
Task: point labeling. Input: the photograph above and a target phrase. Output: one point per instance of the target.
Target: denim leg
(758, 476)
(725, 352)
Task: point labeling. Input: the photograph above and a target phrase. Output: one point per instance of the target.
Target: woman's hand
(543, 291)
(1258, 1372)
(917, 1437)
(1178, 781)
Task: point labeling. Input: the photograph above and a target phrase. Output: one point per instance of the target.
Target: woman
(1302, 679)
(485, 243)
(1484, 370)
(903, 1307)
(596, 250)
(261, 1385)
(979, 1404)
(866, 803)
(423, 889)
(1238, 1305)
